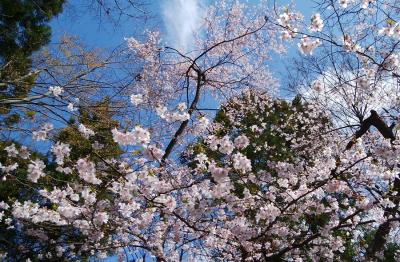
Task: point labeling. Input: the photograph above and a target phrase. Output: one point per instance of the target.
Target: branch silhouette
(373, 120)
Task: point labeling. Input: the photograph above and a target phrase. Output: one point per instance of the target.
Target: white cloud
(182, 18)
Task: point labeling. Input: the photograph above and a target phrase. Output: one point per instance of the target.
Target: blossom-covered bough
(86, 205)
(355, 78)
(267, 180)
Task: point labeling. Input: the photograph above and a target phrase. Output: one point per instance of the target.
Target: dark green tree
(282, 126)
(99, 119)
(24, 29)
(278, 131)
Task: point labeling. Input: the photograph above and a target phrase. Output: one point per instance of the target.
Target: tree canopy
(121, 153)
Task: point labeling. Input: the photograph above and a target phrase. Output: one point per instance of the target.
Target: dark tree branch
(381, 234)
(373, 120)
(184, 124)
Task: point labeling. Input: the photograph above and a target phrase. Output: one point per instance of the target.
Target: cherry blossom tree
(269, 180)
(355, 78)
(141, 207)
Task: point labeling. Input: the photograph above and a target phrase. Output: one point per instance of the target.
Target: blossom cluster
(85, 131)
(307, 45)
(56, 90)
(138, 135)
(42, 134)
(316, 23)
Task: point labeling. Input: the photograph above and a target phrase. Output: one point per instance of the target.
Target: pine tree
(24, 29)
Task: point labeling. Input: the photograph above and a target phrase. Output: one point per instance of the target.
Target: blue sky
(169, 16)
(174, 18)
(95, 31)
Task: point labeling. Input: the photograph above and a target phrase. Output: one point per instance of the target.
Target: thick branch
(373, 120)
(381, 234)
(384, 229)
(184, 124)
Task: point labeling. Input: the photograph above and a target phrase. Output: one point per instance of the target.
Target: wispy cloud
(181, 18)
